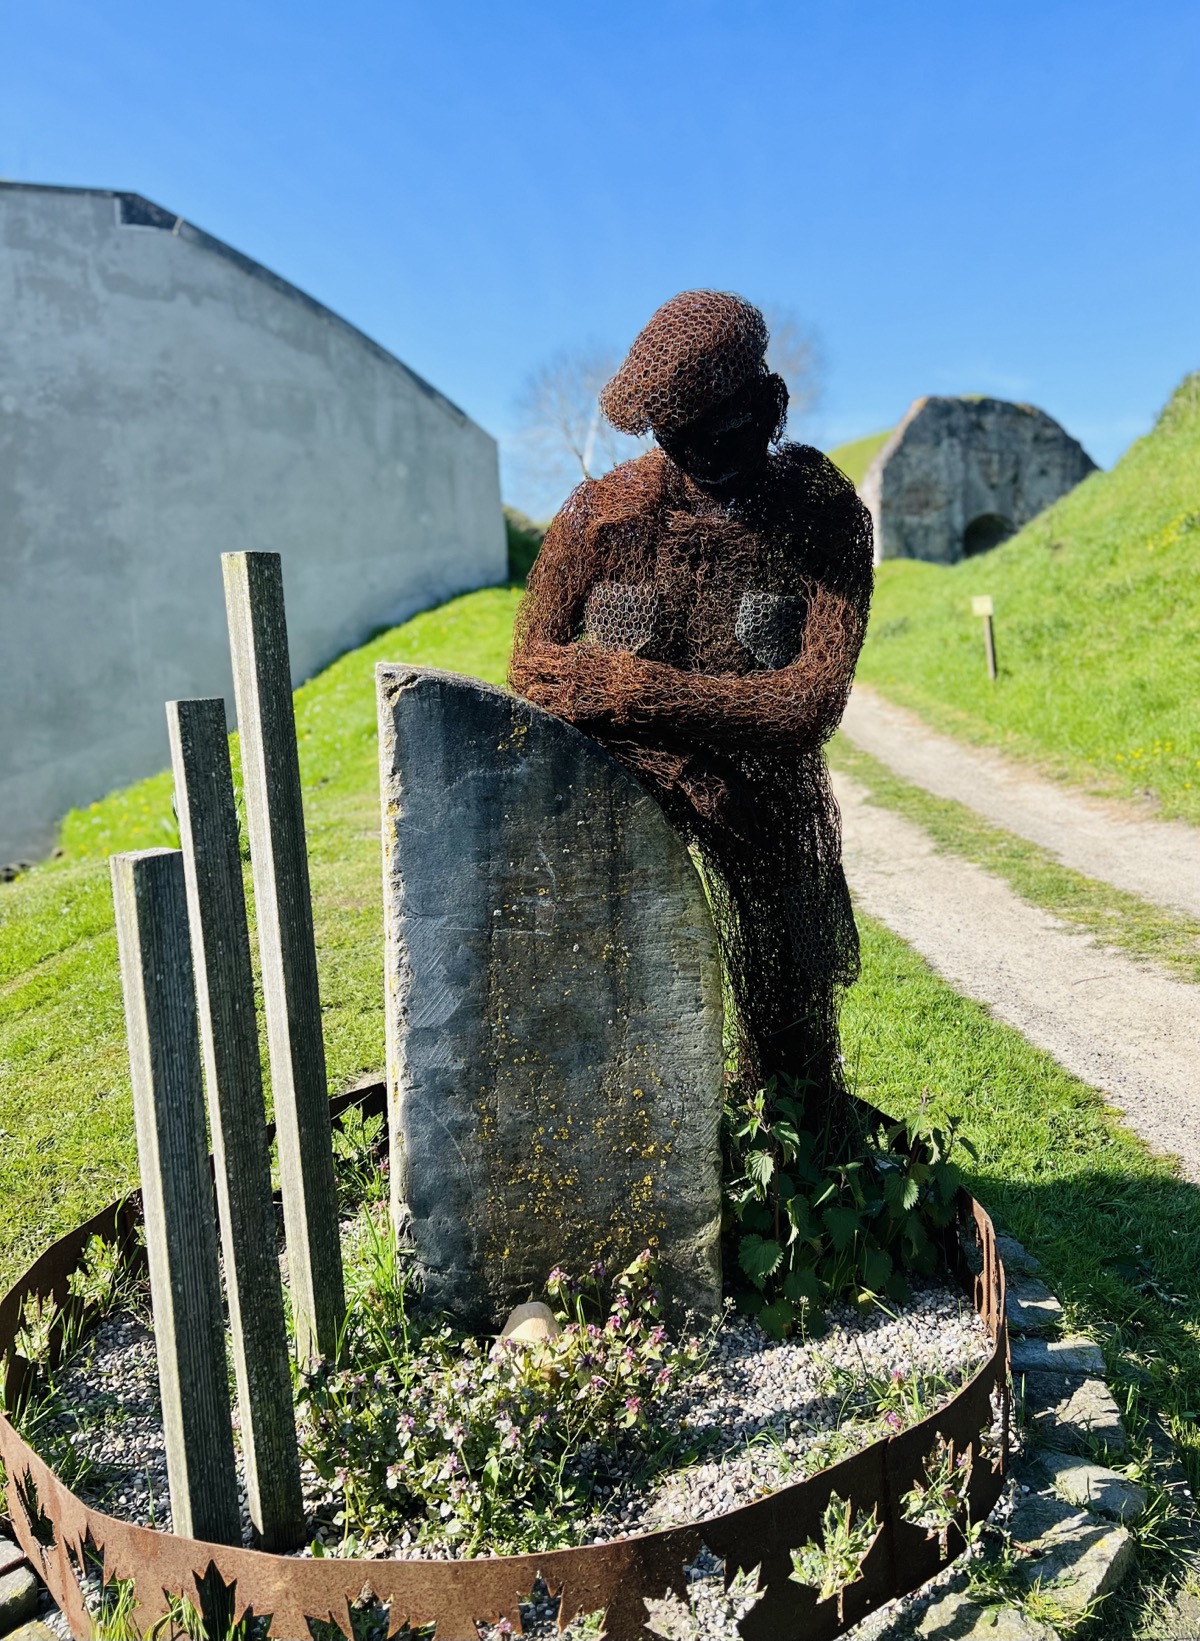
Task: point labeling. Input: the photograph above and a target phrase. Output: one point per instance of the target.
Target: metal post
(177, 1199)
(229, 1042)
(279, 859)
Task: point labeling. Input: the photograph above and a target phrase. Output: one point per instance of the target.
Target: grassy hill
(855, 458)
(1097, 613)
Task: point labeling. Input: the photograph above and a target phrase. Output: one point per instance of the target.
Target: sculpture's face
(733, 437)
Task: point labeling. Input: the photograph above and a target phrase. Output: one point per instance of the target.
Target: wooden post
(983, 606)
(177, 1199)
(229, 1042)
(279, 858)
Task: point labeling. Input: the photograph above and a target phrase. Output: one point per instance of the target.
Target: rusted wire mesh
(706, 634)
(57, 1530)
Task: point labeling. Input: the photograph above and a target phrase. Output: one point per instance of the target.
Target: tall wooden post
(279, 859)
(229, 1042)
(181, 1242)
(984, 607)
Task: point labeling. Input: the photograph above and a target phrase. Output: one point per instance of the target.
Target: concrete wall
(164, 399)
(960, 474)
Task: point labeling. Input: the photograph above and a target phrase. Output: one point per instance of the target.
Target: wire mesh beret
(699, 347)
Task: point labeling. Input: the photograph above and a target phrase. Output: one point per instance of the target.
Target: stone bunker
(958, 476)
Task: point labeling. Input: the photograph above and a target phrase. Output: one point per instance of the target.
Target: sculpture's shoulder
(612, 505)
(816, 503)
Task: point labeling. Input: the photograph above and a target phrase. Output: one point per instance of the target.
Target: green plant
(711, 1611)
(362, 1174)
(814, 1222)
(833, 1565)
(941, 1500)
(429, 1430)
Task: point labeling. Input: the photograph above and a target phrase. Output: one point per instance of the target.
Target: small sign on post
(983, 606)
(177, 1198)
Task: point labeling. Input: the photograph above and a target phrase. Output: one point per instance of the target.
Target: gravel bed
(758, 1415)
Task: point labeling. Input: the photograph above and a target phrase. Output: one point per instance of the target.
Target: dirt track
(1126, 1029)
(1159, 860)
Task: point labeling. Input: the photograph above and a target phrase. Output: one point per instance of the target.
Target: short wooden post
(279, 859)
(177, 1198)
(229, 1042)
(983, 607)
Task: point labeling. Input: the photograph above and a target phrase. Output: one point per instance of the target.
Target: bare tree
(794, 351)
(564, 436)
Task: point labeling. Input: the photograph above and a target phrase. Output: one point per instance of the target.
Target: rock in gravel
(531, 1324)
(1070, 1413)
(32, 1632)
(11, 1555)
(1070, 1555)
(18, 1598)
(1057, 1356)
(1030, 1306)
(955, 1617)
(1091, 1486)
(554, 1012)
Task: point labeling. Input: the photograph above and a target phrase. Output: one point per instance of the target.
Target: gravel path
(1159, 860)
(1127, 1030)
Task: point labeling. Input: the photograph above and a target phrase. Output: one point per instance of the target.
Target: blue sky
(960, 196)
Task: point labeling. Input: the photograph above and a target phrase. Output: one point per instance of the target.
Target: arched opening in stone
(985, 532)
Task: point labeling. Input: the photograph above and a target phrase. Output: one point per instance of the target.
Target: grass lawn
(66, 1133)
(855, 458)
(1097, 606)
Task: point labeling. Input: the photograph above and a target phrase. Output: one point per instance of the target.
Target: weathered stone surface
(1056, 1356)
(1014, 1256)
(18, 1598)
(1074, 1412)
(1030, 1306)
(11, 1555)
(1091, 1486)
(32, 1632)
(553, 1005)
(1072, 1556)
(958, 475)
(955, 1617)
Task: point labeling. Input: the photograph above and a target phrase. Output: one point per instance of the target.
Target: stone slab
(18, 1598)
(553, 999)
(32, 1632)
(1073, 1412)
(955, 1617)
(1056, 1356)
(1070, 1555)
(1030, 1306)
(11, 1555)
(1014, 1256)
(1090, 1486)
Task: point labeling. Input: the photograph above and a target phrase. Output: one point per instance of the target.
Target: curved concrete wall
(164, 399)
(953, 463)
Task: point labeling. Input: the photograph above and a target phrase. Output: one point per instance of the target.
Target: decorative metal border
(52, 1525)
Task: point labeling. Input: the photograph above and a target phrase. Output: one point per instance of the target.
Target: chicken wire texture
(708, 641)
(698, 348)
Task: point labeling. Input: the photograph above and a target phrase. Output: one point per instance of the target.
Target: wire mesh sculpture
(699, 611)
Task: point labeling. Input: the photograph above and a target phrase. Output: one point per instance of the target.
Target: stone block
(955, 1617)
(11, 1555)
(1013, 1255)
(553, 996)
(32, 1632)
(1072, 1412)
(1030, 1306)
(1069, 1555)
(1056, 1356)
(1090, 1486)
(18, 1598)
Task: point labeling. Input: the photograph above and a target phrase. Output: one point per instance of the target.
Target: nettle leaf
(802, 1284)
(759, 1257)
(777, 1320)
(756, 1216)
(760, 1167)
(911, 1195)
(799, 1214)
(876, 1268)
(843, 1224)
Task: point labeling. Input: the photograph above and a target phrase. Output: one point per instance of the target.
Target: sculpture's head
(696, 377)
